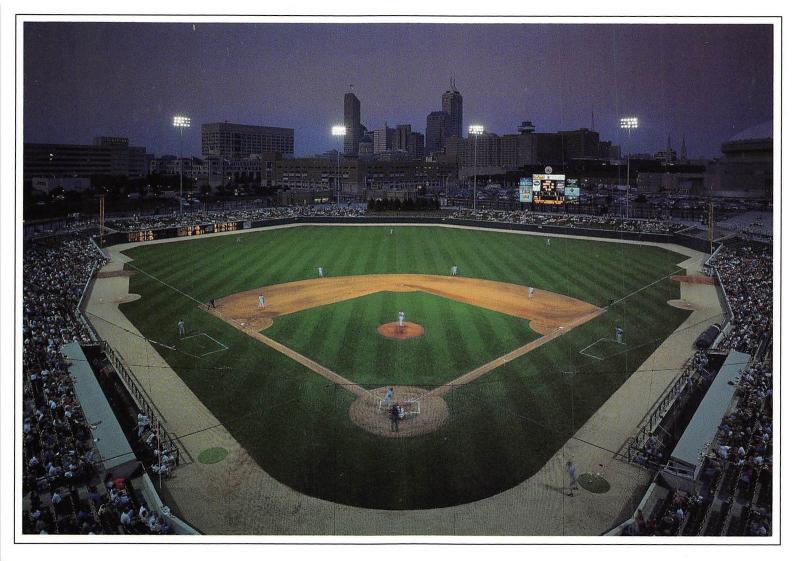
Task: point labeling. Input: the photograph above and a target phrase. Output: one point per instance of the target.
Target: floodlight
(181, 121)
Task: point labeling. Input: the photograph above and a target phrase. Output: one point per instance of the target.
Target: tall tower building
(453, 105)
(436, 131)
(352, 120)
(684, 157)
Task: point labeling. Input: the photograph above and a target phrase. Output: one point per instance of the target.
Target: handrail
(142, 399)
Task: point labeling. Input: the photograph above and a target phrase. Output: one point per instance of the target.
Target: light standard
(337, 131)
(475, 130)
(181, 122)
(628, 123)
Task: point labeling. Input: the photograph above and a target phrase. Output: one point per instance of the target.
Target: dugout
(116, 454)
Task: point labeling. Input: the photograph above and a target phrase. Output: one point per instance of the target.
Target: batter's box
(602, 348)
(200, 345)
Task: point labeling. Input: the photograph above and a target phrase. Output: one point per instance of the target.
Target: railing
(658, 411)
(142, 399)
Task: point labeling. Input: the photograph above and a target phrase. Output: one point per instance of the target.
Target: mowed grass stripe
(486, 446)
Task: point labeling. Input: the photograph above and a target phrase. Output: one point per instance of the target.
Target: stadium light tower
(338, 131)
(181, 122)
(629, 124)
(475, 130)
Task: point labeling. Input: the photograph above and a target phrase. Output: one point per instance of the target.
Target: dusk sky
(707, 82)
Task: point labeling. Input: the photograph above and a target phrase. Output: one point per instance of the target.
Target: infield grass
(363, 356)
(502, 428)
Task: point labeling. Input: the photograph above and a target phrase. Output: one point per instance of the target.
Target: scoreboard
(548, 189)
(526, 190)
(572, 191)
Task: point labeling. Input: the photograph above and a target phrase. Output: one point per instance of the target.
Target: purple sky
(82, 80)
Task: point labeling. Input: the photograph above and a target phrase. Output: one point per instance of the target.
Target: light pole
(338, 131)
(475, 130)
(181, 122)
(629, 124)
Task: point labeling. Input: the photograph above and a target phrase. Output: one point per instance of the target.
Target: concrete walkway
(236, 496)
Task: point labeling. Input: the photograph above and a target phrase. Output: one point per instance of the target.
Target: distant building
(107, 156)
(416, 145)
(581, 143)
(234, 141)
(746, 165)
(352, 122)
(382, 139)
(402, 137)
(436, 131)
(361, 179)
(453, 105)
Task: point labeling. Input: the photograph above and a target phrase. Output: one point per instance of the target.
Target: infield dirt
(549, 314)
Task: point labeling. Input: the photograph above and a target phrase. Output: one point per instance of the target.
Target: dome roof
(762, 130)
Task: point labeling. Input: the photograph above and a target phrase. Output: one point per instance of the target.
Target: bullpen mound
(394, 331)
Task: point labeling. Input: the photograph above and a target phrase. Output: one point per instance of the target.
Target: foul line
(327, 373)
(643, 288)
(516, 353)
(166, 284)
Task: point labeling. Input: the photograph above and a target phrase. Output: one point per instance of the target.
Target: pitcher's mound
(394, 331)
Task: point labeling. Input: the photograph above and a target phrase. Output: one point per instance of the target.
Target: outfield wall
(690, 242)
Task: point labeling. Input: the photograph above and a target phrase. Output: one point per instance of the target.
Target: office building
(453, 105)
(107, 156)
(436, 131)
(234, 141)
(383, 139)
(352, 122)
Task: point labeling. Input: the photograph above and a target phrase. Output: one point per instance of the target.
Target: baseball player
(618, 334)
(530, 292)
(387, 399)
(572, 472)
(548, 242)
(181, 328)
(321, 272)
(261, 302)
(401, 318)
(453, 271)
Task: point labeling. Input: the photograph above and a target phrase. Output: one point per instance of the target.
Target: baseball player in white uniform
(181, 328)
(453, 271)
(530, 292)
(321, 272)
(401, 319)
(387, 399)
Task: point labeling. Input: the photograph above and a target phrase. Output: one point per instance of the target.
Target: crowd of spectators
(737, 466)
(569, 220)
(137, 223)
(746, 275)
(59, 459)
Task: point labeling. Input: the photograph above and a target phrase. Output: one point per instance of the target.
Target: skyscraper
(436, 131)
(453, 105)
(352, 120)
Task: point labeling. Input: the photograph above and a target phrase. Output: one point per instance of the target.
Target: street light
(629, 124)
(181, 122)
(338, 130)
(475, 130)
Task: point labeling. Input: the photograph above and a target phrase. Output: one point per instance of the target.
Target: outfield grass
(363, 356)
(502, 428)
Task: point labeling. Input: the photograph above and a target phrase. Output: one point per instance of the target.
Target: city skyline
(704, 82)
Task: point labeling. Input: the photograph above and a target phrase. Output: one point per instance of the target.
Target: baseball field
(494, 378)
